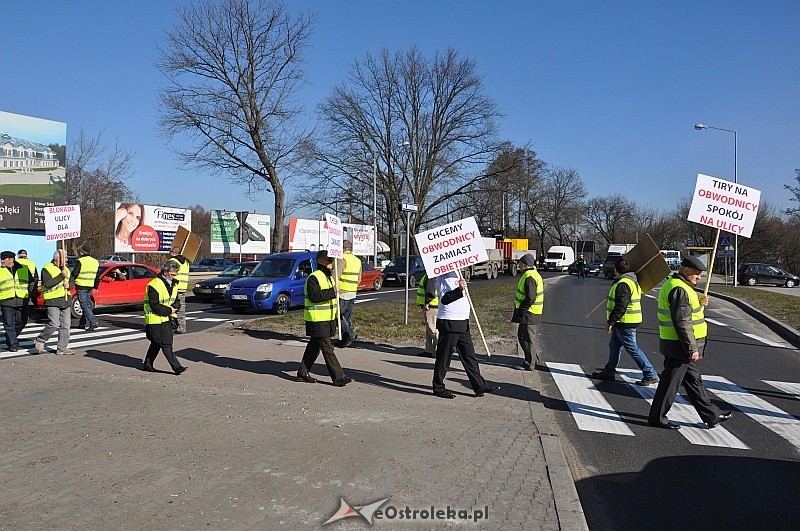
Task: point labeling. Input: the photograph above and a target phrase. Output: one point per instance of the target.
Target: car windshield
(555, 256)
(398, 262)
(274, 267)
(232, 271)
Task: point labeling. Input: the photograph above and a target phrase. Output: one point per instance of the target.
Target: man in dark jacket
(320, 317)
(528, 307)
(55, 293)
(86, 276)
(682, 332)
(623, 316)
(15, 283)
(428, 301)
(160, 304)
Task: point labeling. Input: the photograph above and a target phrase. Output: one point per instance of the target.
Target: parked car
(752, 274)
(592, 268)
(396, 271)
(121, 285)
(276, 284)
(371, 278)
(205, 265)
(112, 258)
(213, 288)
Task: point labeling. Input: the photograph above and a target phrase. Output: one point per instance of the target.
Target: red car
(371, 278)
(121, 284)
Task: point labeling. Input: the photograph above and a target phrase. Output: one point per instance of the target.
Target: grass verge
(785, 308)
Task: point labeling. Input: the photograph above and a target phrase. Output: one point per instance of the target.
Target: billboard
(311, 235)
(32, 169)
(147, 228)
(240, 232)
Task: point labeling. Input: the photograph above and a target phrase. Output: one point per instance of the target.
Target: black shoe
(14, 348)
(722, 418)
(603, 375)
(179, 370)
(347, 343)
(424, 354)
(91, 327)
(647, 381)
(305, 379)
(343, 381)
(148, 367)
(487, 389)
(669, 425)
(525, 366)
(444, 394)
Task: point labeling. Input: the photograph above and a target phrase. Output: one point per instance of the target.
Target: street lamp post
(700, 127)
(375, 210)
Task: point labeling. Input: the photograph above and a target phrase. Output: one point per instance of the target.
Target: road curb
(785, 331)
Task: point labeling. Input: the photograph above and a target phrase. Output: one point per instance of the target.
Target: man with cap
(55, 293)
(15, 282)
(183, 284)
(682, 330)
(528, 306)
(349, 268)
(86, 276)
(623, 317)
(320, 317)
(22, 258)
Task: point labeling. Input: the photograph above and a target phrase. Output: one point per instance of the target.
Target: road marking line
(117, 339)
(714, 321)
(765, 341)
(589, 408)
(758, 409)
(790, 388)
(682, 412)
(207, 319)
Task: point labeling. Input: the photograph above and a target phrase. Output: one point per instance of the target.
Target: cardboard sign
(646, 260)
(450, 247)
(188, 242)
(724, 205)
(335, 236)
(62, 222)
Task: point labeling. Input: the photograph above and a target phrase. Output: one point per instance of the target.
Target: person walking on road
(349, 278)
(429, 303)
(453, 325)
(22, 258)
(581, 265)
(86, 275)
(15, 285)
(682, 330)
(55, 293)
(183, 284)
(320, 317)
(160, 307)
(623, 316)
(528, 307)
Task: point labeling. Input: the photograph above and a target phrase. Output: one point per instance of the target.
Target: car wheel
(751, 281)
(376, 284)
(790, 283)
(75, 307)
(412, 281)
(282, 303)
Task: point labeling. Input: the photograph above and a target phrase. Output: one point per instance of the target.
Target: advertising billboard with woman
(147, 228)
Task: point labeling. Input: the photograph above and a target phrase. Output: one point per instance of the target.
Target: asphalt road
(743, 474)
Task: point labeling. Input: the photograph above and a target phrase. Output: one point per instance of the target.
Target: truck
(615, 253)
(559, 258)
(503, 255)
(491, 268)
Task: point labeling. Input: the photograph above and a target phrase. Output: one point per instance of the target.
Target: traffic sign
(724, 241)
(408, 207)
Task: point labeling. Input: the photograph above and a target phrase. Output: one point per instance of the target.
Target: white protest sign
(724, 205)
(335, 236)
(450, 247)
(62, 222)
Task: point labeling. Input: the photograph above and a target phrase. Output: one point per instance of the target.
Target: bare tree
(234, 68)
(564, 192)
(96, 173)
(796, 193)
(610, 215)
(422, 126)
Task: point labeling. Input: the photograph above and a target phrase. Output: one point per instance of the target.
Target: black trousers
(525, 335)
(676, 373)
(455, 334)
(310, 355)
(160, 336)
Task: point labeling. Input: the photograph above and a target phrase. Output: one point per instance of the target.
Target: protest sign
(62, 222)
(335, 236)
(451, 247)
(724, 205)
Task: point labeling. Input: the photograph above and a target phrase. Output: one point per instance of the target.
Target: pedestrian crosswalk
(81, 339)
(593, 412)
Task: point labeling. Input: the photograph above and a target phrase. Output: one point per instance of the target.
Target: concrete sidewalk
(90, 441)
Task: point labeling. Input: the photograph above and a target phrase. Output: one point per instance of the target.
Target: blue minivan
(276, 284)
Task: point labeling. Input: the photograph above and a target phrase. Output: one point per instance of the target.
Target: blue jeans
(85, 300)
(626, 338)
(12, 324)
(346, 310)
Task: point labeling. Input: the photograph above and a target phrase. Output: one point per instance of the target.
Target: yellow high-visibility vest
(324, 311)
(348, 280)
(89, 267)
(57, 291)
(538, 303)
(633, 313)
(165, 297)
(421, 293)
(666, 328)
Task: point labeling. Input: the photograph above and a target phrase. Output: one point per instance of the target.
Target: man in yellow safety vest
(349, 278)
(528, 307)
(15, 284)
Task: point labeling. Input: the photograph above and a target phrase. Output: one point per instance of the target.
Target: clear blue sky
(611, 89)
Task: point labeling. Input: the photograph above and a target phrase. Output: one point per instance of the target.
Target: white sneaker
(68, 352)
(39, 346)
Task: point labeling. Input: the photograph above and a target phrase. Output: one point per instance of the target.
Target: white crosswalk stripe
(592, 412)
(758, 409)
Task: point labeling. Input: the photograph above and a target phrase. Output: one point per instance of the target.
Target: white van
(558, 258)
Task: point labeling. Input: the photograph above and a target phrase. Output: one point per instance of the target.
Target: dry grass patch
(785, 308)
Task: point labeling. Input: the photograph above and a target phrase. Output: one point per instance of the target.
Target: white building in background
(21, 154)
